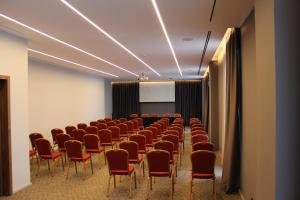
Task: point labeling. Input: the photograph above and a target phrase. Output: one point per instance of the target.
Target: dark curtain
(205, 102)
(188, 99)
(125, 97)
(232, 151)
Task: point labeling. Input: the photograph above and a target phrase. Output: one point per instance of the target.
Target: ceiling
(134, 24)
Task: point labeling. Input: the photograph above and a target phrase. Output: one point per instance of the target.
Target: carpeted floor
(45, 187)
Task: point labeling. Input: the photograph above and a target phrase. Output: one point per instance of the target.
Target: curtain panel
(232, 151)
(205, 102)
(125, 97)
(188, 99)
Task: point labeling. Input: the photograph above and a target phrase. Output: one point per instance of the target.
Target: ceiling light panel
(107, 35)
(65, 43)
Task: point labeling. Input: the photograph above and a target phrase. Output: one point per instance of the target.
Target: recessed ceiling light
(71, 62)
(187, 39)
(65, 43)
(107, 35)
(166, 34)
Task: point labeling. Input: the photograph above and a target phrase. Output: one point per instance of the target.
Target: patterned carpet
(45, 187)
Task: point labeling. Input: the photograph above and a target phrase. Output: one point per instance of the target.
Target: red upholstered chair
(175, 140)
(180, 132)
(167, 115)
(197, 125)
(171, 132)
(61, 139)
(105, 137)
(115, 133)
(82, 126)
(177, 115)
(102, 126)
(197, 128)
(92, 130)
(198, 132)
(159, 129)
(33, 137)
(154, 133)
(101, 121)
(199, 138)
(92, 145)
(144, 115)
(159, 166)
(94, 123)
(118, 164)
(169, 147)
(203, 163)
(203, 146)
(140, 123)
(110, 123)
(130, 128)
(78, 134)
(132, 148)
(134, 115)
(117, 121)
(163, 124)
(122, 120)
(69, 130)
(45, 152)
(123, 130)
(135, 124)
(148, 135)
(107, 119)
(75, 154)
(141, 140)
(55, 132)
(155, 115)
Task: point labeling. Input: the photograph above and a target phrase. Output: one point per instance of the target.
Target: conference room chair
(175, 140)
(177, 115)
(107, 119)
(148, 135)
(55, 132)
(117, 121)
(33, 137)
(118, 165)
(102, 126)
(92, 145)
(76, 154)
(144, 115)
(61, 139)
(122, 120)
(203, 163)
(115, 133)
(199, 138)
(123, 130)
(132, 148)
(169, 147)
(101, 121)
(168, 115)
(78, 134)
(167, 120)
(154, 115)
(180, 134)
(159, 128)
(94, 123)
(163, 125)
(110, 123)
(69, 130)
(92, 130)
(141, 140)
(198, 132)
(159, 166)
(105, 137)
(82, 126)
(45, 152)
(140, 123)
(154, 131)
(32, 154)
(203, 146)
(130, 128)
(133, 115)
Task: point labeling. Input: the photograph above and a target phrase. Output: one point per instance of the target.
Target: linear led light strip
(65, 43)
(107, 35)
(166, 34)
(74, 63)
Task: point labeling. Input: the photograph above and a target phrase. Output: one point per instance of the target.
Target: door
(5, 150)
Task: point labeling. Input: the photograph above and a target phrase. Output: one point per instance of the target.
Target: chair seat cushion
(143, 151)
(117, 139)
(139, 160)
(160, 174)
(149, 145)
(54, 154)
(108, 144)
(99, 150)
(123, 172)
(203, 176)
(85, 156)
(32, 153)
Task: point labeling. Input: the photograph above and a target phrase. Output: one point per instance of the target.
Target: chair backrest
(122, 120)
(134, 115)
(135, 123)
(179, 131)
(117, 121)
(158, 161)
(55, 132)
(140, 121)
(82, 126)
(163, 124)
(140, 139)
(91, 141)
(69, 129)
(153, 130)
(117, 160)
(203, 146)
(33, 137)
(105, 136)
(170, 132)
(203, 162)
(165, 145)
(172, 138)
(159, 128)
(177, 115)
(166, 120)
(115, 132)
(78, 134)
(102, 126)
(196, 125)
(167, 115)
(73, 149)
(148, 135)
(61, 139)
(199, 138)
(144, 115)
(123, 128)
(197, 129)
(110, 123)
(92, 130)
(101, 121)
(154, 115)
(107, 119)
(43, 147)
(132, 148)
(129, 125)
(198, 132)
(94, 123)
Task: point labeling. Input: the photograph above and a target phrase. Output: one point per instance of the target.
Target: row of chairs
(144, 115)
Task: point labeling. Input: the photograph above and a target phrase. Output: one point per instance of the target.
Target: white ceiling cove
(134, 24)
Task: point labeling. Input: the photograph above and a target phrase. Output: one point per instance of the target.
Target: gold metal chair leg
(150, 182)
(69, 164)
(38, 169)
(107, 193)
(135, 180)
(191, 188)
(130, 185)
(214, 189)
(114, 181)
(62, 163)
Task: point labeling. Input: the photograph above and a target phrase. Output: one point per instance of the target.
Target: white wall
(59, 97)
(13, 63)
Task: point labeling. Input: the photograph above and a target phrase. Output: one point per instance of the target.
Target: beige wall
(13, 63)
(59, 97)
(249, 133)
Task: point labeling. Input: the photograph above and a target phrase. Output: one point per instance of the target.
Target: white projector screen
(157, 91)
